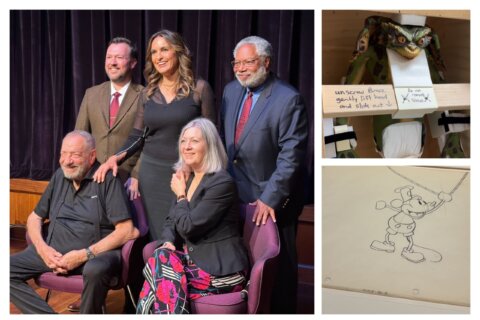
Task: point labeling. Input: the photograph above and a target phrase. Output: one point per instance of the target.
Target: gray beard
(78, 175)
(256, 80)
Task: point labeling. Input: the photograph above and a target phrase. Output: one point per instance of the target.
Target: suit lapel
(105, 104)
(199, 189)
(234, 115)
(260, 106)
(126, 105)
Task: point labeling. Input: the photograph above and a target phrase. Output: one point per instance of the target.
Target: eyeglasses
(247, 63)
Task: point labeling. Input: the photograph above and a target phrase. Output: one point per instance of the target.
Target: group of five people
(164, 139)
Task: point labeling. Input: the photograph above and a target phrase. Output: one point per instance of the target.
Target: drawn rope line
(426, 188)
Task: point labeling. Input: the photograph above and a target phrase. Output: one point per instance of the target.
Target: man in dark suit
(108, 112)
(265, 131)
(109, 127)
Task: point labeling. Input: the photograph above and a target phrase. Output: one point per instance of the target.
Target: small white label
(330, 151)
(342, 145)
(415, 102)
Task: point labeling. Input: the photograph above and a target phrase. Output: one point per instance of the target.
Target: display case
(340, 29)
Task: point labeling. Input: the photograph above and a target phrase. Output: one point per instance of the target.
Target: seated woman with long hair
(200, 251)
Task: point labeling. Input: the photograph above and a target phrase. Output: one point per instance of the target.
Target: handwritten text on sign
(416, 97)
(415, 102)
(358, 100)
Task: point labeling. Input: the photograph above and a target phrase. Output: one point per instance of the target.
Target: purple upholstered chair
(74, 283)
(263, 247)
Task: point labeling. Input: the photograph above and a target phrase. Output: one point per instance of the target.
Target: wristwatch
(90, 254)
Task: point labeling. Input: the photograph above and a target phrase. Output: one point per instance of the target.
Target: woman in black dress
(171, 99)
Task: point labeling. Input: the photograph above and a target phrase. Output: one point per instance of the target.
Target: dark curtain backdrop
(56, 55)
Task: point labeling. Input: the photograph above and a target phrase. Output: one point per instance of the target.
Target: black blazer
(209, 225)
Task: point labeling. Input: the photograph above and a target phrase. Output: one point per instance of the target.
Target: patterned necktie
(247, 106)
(114, 106)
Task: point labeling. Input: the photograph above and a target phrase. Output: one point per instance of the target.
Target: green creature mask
(369, 63)
(380, 33)
(407, 41)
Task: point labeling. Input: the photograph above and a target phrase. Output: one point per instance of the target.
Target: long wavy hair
(186, 80)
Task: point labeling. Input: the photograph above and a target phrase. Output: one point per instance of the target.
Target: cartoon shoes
(390, 247)
(383, 246)
(413, 256)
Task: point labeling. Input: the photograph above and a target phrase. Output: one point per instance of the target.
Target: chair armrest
(132, 258)
(226, 303)
(126, 251)
(148, 250)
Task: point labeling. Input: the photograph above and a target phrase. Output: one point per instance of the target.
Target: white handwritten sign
(358, 100)
(413, 85)
(414, 102)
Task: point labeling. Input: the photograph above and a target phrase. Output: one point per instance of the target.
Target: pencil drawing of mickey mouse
(409, 208)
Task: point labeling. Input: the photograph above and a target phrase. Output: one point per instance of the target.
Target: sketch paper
(399, 232)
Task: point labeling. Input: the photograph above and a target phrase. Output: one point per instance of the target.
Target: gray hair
(215, 158)
(263, 47)
(89, 139)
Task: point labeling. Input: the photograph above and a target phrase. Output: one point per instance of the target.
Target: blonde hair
(215, 158)
(186, 80)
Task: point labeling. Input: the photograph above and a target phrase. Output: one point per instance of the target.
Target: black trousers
(99, 274)
(284, 295)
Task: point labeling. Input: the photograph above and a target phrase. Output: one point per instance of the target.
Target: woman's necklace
(168, 91)
(426, 188)
(169, 86)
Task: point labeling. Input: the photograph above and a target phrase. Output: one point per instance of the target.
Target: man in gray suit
(111, 128)
(265, 131)
(108, 112)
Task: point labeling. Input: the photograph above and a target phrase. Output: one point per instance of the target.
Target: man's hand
(50, 256)
(445, 197)
(262, 213)
(72, 260)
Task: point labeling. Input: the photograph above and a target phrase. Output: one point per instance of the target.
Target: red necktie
(114, 106)
(247, 105)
